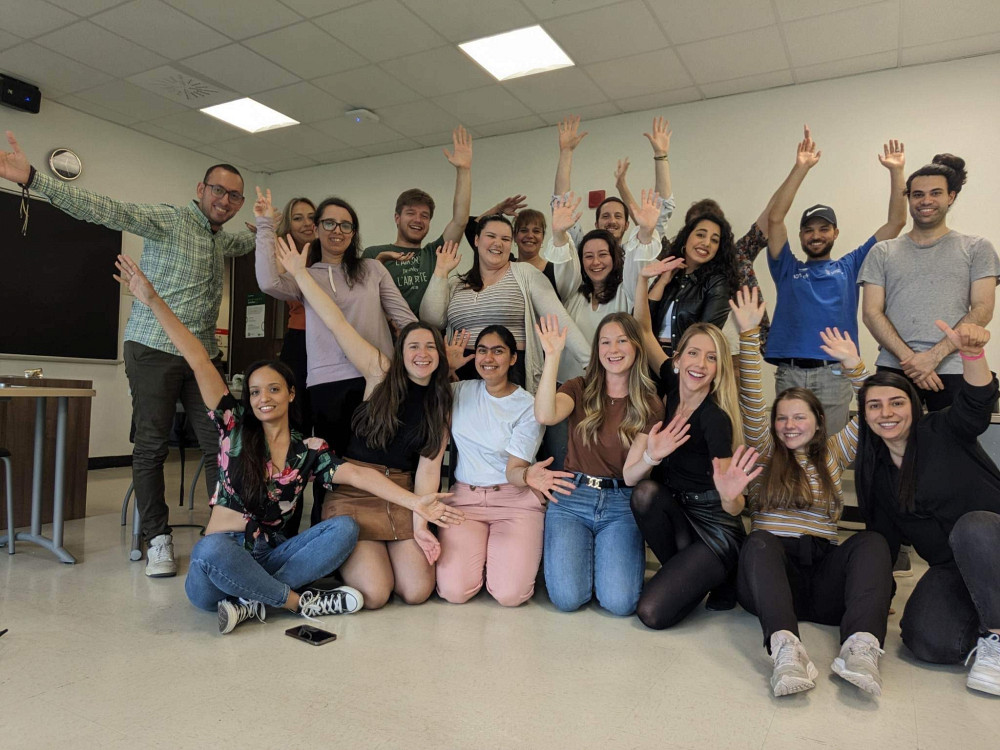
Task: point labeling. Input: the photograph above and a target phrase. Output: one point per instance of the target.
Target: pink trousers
(501, 537)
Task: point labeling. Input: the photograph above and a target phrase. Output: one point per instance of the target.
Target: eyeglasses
(218, 191)
(330, 224)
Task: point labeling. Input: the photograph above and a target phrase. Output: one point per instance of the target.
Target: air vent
(181, 87)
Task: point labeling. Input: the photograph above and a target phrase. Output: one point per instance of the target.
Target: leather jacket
(697, 297)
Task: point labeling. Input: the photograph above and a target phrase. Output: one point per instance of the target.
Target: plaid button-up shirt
(181, 257)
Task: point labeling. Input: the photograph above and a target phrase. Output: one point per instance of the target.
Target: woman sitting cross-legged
(401, 431)
(793, 566)
(244, 562)
(592, 543)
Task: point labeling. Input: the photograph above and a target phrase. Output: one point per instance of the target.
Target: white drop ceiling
(150, 64)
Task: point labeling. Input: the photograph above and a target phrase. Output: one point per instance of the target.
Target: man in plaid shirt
(183, 256)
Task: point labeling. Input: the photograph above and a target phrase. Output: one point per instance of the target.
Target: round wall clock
(65, 164)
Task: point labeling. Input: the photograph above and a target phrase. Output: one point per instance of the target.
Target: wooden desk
(41, 393)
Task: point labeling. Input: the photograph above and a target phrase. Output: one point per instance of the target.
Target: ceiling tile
(302, 139)
(86, 7)
(517, 125)
(759, 82)
(471, 19)
(659, 100)
(566, 89)
(392, 147)
(240, 69)
(198, 126)
(313, 8)
(849, 67)
(357, 133)
(849, 33)
(162, 133)
(250, 148)
(131, 100)
(418, 118)
(29, 18)
(252, 16)
(47, 69)
(287, 164)
(735, 56)
(593, 112)
(640, 74)
(82, 105)
(442, 138)
(303, 102)
(439, 71)
(690, 21)
(8, 40)
(950, 50)
(156, 25)
(382, 29)
(339, 155)
(545, 9)
(369, 87)
(792, 10)
(295, 48)
(930, 22)
(627, 28)
(481, 106)
(101, 49)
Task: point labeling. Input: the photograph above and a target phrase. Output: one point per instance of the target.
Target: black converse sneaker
(232, 614)
(342, 600)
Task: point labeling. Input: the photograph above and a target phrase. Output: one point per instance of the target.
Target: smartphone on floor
(312, 635)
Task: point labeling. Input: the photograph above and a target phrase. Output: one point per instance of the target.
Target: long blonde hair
(723, 388)
(641, 389)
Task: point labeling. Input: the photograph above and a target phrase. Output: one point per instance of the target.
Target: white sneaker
(858, 662)
(160, 557)
(342, 600)
(232, 614)
(985, 672)
(793, 672)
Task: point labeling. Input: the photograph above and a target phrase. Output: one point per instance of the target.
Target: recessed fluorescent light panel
(513, 54)
(249, 115)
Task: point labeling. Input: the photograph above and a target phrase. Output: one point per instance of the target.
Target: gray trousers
(159, 380)
(828, 384)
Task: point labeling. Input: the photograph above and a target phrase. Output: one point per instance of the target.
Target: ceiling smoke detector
(362, 115)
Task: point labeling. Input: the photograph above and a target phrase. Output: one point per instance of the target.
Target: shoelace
(249, 608)
(157, 552)
(989, 651)
(868, 651)
(787, 656)
(313, 605)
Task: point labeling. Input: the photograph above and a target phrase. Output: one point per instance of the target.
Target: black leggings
(689, 569)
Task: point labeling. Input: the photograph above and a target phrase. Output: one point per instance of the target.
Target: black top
(954, 475)
(698, 297)
(403, 451)
(548, 272)
(689, 468)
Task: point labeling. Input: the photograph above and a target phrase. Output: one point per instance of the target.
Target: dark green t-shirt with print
(412, 276)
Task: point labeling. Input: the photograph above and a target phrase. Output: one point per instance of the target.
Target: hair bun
(953, 162)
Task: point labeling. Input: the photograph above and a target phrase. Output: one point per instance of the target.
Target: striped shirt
(815, 520)
(497, 304)
(181, 256)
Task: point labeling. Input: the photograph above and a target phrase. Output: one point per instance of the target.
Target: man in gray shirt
(931, 273)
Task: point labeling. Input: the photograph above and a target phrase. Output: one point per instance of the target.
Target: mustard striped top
(841, 449)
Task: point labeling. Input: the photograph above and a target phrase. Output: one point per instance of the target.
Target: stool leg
(135, 553)
(10, 504)
(128, 495)
(194, 482)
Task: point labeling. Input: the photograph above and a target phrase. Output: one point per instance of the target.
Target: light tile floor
(99, 656)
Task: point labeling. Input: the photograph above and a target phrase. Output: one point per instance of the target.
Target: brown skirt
(378, 520)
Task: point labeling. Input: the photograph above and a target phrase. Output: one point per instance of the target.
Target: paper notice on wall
(255, 315)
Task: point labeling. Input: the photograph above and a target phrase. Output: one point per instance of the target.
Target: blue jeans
(222, 568)
(592, 545)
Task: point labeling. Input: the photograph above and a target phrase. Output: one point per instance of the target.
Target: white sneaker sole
(161, 571)
(863, 681)
(789, 685)
(985, 686)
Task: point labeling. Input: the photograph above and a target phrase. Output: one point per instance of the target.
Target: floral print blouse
(307, 459)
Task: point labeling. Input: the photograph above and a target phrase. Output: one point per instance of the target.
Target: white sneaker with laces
(160, 557)
(232, 614)
(793, 671)
(985, 672)
(858, 662)
(342, 600)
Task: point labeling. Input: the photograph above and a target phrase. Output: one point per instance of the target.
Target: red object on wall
(594, 198)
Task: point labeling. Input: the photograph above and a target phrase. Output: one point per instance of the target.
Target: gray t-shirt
(924, 283)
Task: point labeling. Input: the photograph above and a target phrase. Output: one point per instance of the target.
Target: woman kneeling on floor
(792, 565)
(244, 562)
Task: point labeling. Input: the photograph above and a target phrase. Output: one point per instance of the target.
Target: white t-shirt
(488, 430)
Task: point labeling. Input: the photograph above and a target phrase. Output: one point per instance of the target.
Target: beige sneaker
(858, 662)
(160, 557)
(793, 671)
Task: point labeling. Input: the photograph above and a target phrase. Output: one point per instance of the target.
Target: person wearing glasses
(183, 255)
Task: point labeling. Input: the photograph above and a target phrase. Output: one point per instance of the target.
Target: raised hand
(663, 441)
(552, 339)
(892, 156)
(748, 308)
(132, 277)
(455, 350)
(394, 256)
(569, 135)
(14, 164)
(511, 205)
(839, 346)
(263, 206)
(648, 211)
(290, 259)
(659, 139)
(968, 338)
(660, 267)
(448, 259)
(428, 544)
(807, 155)
(546, 481)
(461, 153)
(431, 508)
(731, 483)
(564, 212)
(621, 170)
